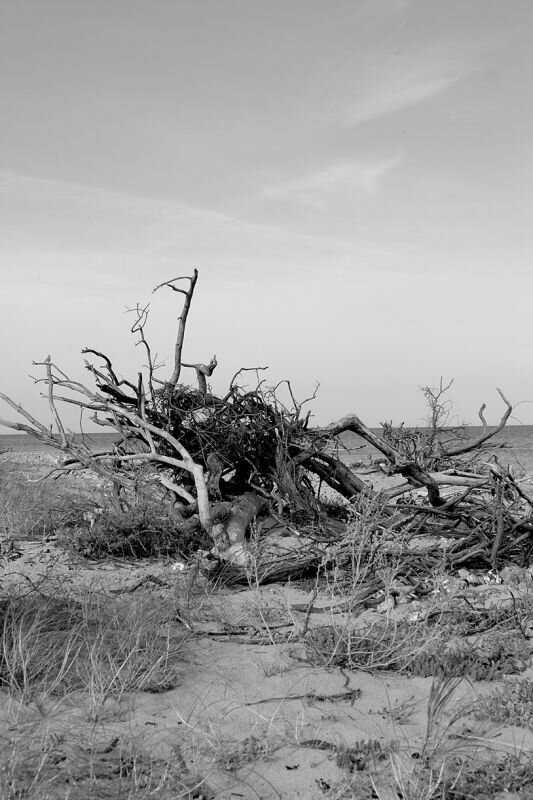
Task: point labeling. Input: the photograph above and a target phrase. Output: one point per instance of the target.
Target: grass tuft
(101, 646)
(417, 649)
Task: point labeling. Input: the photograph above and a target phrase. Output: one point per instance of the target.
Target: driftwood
(222, 462)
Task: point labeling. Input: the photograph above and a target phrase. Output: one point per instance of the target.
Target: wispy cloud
(336, 182)
(395, 95)
(56, 219)
(15, 184)
(393, 78)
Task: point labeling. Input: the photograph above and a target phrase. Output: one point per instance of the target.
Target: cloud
(395, 95)
(336, 182)
(397, 76)
(53, 214)
(17, 185)
(86, 230)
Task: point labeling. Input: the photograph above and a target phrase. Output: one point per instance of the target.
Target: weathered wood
(242, 513)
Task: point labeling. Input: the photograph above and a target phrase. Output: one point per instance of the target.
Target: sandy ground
(250, 718)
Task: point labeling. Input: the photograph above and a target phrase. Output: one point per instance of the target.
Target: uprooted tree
(220, 461)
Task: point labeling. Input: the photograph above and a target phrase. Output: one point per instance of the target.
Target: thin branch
(486, 434)
(182, 320)
(109, 387)
(177, 489)
(244, 369)
(138, 327)
(23, 413)
(107, 362)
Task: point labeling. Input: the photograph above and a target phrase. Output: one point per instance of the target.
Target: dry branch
(182, 322)
(486, 434)
(227, 459)
(203, 371)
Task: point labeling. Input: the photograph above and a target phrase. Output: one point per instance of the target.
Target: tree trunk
(243, 511)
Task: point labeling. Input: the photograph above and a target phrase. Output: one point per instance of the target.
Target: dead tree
(215, 458)
(224, 460)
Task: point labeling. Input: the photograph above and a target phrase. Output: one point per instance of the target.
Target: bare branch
(352, 423)
(176, 488)
(486, 434)
(243, 369)
(51, 401)
(440, 479)
(110, 386)
(105, 358)
(182, 320)
(138, 327)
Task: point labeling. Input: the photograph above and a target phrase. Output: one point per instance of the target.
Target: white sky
(352, 179)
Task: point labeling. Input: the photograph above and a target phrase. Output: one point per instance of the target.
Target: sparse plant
(357, 553)
(488, 660)
(274, 669)
(380, 645)
(420, 783)
(102, 647)
(417, 649)
(510, 704)
(235, 755)
(363, 755)
(401, 711)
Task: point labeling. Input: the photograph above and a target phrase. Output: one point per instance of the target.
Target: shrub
(512, 704)
(484, 780)
(142, 531)
(416, 649)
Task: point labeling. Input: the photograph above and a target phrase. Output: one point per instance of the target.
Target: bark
(233, 531)
(215, 467)
(243, 511)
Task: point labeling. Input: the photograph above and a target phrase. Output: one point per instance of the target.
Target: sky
(352, 179)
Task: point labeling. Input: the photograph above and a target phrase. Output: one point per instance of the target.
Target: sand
(251, 717)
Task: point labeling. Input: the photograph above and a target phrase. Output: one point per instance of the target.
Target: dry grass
(83, 766)
(101, 646)
(31, 508)
(92, 652)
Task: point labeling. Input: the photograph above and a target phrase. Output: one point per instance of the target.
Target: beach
(254, 695)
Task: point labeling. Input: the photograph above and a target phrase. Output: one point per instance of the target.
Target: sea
(513, 446)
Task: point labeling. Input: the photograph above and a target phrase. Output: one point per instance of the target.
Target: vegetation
(114, 590)
(220, 461)
(512, 704)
